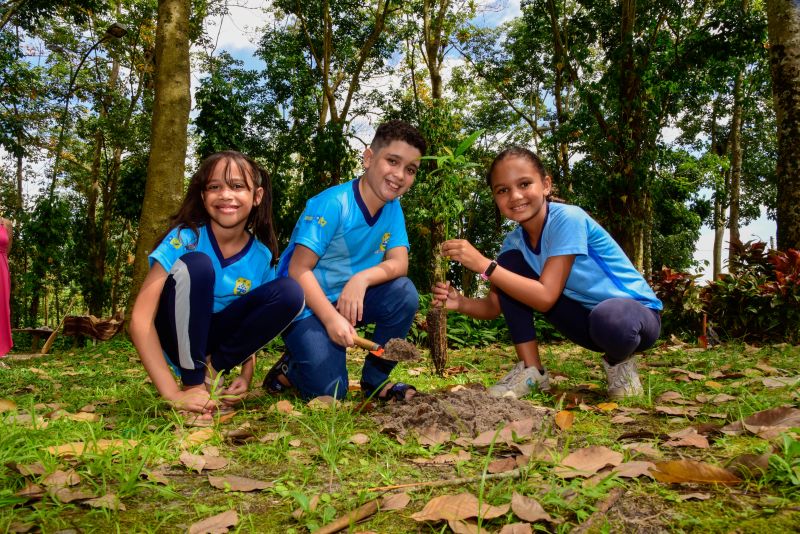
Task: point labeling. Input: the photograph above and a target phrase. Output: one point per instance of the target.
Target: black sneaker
(271, 383)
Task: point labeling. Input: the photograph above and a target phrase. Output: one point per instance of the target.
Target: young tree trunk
(735, 172)
(783, 21)
(166, 167)
(719, 235)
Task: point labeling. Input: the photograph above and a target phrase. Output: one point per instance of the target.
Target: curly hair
(397, 130)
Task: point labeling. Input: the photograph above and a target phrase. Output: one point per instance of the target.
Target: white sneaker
(623, 379)
(520, 381)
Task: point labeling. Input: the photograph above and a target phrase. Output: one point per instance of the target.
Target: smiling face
(229, 195)
(389, 172)
(520, 190)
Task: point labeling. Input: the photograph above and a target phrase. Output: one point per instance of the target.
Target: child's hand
(351, 301)
(235, 392)
(445, 294)
(340, 330)
(195, 399)
(462, 251)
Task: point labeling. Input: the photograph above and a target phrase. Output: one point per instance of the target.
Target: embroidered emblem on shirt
(318, 219)
(384, 242)
(242, 286)
(175, 242)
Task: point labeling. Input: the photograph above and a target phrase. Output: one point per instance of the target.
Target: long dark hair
(192, 213)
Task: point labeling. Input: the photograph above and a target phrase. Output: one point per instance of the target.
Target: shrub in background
(683, 308)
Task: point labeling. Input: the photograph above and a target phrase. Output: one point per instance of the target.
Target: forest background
(96, 103)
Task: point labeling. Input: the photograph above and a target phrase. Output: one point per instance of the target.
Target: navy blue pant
(317, 365)
(189, 330)
(617, 327)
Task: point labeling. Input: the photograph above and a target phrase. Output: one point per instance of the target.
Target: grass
(316, 468)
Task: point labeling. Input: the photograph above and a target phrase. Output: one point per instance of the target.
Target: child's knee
(407, 297)
(291, 294)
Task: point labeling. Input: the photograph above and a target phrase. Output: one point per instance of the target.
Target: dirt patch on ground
(400, 350)
(466, 412)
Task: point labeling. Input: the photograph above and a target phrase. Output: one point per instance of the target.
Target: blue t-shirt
(337, 226)
(601, 269)
(234, 276)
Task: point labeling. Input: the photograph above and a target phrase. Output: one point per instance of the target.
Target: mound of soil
(466, 412)
(400, 350)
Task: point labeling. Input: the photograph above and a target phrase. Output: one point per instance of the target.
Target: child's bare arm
(301, 269)
(487, 307)
(145, 338)
(351, 300)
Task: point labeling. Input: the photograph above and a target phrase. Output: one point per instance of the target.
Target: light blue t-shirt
(234, 276)
(337, 227)
(601, 269)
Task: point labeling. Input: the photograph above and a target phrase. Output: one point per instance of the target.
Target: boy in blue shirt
(349, 253)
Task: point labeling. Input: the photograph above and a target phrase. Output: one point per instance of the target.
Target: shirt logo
(175, 242)
(384, 242)
(314, 218)
(242, 286)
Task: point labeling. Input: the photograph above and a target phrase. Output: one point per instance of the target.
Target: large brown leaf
(586, 462)
(457, 507)
(528, 509)
(766, 423)
(216, 524)
(690, 471)
(234, 483)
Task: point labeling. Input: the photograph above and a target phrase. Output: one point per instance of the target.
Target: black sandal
(397, 392)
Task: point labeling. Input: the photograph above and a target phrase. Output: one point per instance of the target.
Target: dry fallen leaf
(691, 440)
(634, 469)
(690, 471)
(461, 456)
(284, 406)
(502, 465)
(780, 381)
(67, 495)
(269, 437)
(359, 439)
(465, 527)
(645, 449)
(622, 419)
(35, 468)
(197, 437)
(521, 429)
(215, 524)
(695, 496)
(78, 448)
(31, 491)
(321, 403)
(607, 406)
(7, 405)
(668, 396)
(234, 483)
(516, 528)
(455, 507)
(564, 419)
(528, 509)
(586, 462)
(394, 501)
(108, 501)
(432, 435)
(766, 423)
(61, 478)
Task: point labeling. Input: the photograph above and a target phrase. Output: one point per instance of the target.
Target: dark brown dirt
(400, 350)
(466, 412)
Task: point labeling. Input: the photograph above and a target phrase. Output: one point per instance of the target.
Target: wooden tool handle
(365, 343)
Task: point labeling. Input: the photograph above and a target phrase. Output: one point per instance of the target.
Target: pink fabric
(5, 295)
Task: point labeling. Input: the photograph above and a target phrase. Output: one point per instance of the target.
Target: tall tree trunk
(736, 171)
(783, 18)
(719, 236)
(168, 141)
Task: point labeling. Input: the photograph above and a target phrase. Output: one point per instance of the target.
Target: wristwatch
(489, 270)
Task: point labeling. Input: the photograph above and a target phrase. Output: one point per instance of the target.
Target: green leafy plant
(784, 466)
(446, 184)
